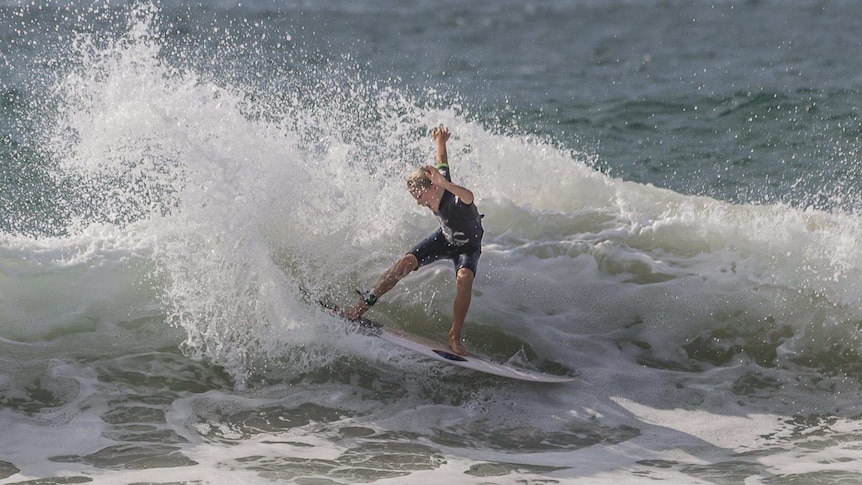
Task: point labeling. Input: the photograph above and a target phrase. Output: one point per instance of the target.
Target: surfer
(458, 239)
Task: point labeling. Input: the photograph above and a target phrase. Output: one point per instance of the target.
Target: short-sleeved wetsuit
(460, 235)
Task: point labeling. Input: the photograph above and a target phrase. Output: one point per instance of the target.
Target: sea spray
(248, 204)
(712, 340)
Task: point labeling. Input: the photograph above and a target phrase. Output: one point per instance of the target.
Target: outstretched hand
(440, 134)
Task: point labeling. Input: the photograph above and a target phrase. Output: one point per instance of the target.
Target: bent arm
(439, 180)
(441, 135)
(462, 193)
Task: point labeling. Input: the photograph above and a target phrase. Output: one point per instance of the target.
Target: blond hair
(418, 179)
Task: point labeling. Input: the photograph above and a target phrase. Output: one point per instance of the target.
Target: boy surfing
(459, 239)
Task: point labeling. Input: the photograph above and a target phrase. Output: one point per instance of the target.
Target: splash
(244, 207)
(247, 191)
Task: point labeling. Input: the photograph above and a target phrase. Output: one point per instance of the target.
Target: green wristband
(368, 298)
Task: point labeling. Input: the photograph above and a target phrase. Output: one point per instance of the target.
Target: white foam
(723, 431)
(607, 278)
(257, 206)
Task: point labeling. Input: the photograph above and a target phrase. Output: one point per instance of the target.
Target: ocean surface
(673, 215)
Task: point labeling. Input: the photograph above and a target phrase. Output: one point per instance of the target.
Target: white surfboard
(439, 352)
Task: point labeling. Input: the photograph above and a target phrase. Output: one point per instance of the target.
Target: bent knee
(464, 276)
(408, 263)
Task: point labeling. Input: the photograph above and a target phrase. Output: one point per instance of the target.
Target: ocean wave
(234, 196)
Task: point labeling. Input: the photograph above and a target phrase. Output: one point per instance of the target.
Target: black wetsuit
(460, 235)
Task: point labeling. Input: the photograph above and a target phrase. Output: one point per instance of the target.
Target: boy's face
(420, 194)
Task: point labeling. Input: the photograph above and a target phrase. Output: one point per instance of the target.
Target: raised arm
(441, 136)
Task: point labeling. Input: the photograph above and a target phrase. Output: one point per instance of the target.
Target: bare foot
(354, 313)
(456, 346)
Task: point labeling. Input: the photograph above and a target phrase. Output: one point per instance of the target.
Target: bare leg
(463, 295)
(395, 273)
(387, 281)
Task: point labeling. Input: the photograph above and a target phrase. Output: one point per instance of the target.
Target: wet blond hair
(418, 179)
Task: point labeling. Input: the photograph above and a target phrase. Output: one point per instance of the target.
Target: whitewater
(165, 220)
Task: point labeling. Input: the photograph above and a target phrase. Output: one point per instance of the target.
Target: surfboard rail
(436, 351)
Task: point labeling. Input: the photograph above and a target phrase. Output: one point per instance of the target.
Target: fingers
(440, 132)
